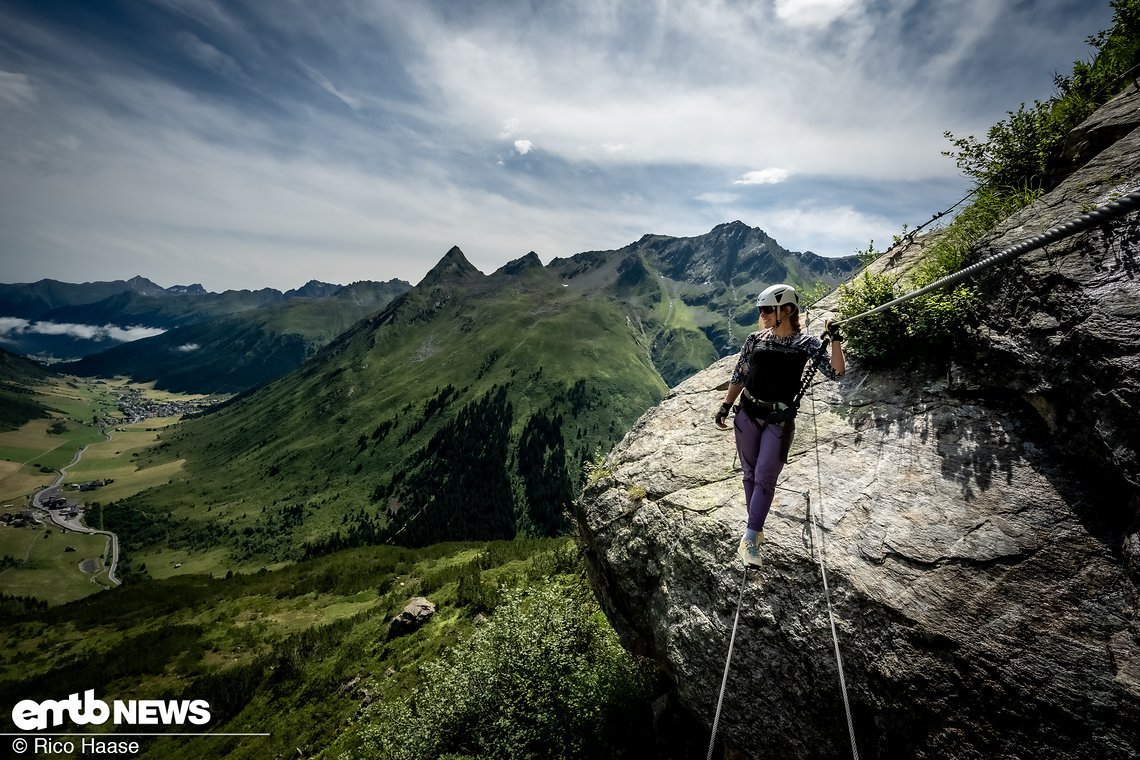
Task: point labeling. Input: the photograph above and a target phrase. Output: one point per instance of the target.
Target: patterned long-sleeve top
(771, 367)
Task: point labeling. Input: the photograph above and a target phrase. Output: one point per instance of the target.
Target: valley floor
(109, 418)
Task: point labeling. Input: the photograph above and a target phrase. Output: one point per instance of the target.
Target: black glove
(832, 331)
(722, 415)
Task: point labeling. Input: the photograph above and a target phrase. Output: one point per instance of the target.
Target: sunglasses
(767, 309)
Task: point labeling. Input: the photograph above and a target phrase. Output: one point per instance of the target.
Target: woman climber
(767, 380)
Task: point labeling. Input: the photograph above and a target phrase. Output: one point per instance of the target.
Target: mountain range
(184, 338)
(195, 341)
(49, 299)
(241, 350)
(467, 407)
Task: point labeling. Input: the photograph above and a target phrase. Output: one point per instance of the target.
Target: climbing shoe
(749, 551)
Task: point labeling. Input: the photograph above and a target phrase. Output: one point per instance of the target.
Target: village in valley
(134, 405)
(53, 502)
(55, 469)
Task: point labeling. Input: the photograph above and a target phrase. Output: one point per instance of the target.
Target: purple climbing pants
(760, 447)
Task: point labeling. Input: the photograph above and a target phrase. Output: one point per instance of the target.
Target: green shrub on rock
(926, 327)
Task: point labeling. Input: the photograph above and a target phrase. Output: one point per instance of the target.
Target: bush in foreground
(545, 677)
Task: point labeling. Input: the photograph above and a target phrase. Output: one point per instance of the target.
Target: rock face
(1064, 326)
(1110, 123)
(978, 528)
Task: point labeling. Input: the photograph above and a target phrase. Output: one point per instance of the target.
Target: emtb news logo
(29, 715)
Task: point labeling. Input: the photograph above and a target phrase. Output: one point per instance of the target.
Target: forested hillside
(18, 379)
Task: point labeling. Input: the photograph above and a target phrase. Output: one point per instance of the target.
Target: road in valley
(76, 523)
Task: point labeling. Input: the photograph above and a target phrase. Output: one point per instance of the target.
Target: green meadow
(45, 568)
(116, 458)
(30, 457)
(40, 445)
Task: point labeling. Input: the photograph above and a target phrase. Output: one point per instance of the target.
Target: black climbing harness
(778, 411)
(766, 411)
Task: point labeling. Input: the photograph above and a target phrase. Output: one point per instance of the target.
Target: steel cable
(727, 665)
(823, 574)
(1108, 211)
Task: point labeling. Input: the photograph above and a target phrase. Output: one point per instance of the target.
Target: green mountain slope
(697, 292)
(463, 410)
(18, 401)
(130, 308)
(419, 406)
(224, 355)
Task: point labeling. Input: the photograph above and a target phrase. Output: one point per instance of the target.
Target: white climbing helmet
(779, 295)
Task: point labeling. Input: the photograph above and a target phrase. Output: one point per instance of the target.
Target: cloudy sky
(248, 144)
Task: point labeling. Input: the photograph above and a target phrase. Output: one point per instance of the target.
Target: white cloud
(188, 347)
(839, 229)
(717, 198)
(16, 90)
(812, 13)
(510, 126)
(324, 83)
(242, 212)
(13, 325)
(127, 334)
(209, 56)
(205, 12)
(698, 102)
(769, 176)
(180, 185)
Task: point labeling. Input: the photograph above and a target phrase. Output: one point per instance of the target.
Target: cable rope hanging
(909, 237)
(810, 544)
(819, 523)
(906, 238)
(1101, 214)
(727, 665)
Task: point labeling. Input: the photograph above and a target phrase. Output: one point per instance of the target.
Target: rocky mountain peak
(523, 264)
(634, 273)
(734, 248)
(187, 290)
(979, 528)
(145, 287)
(313, 289)
(734, 227)
(453, 268)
